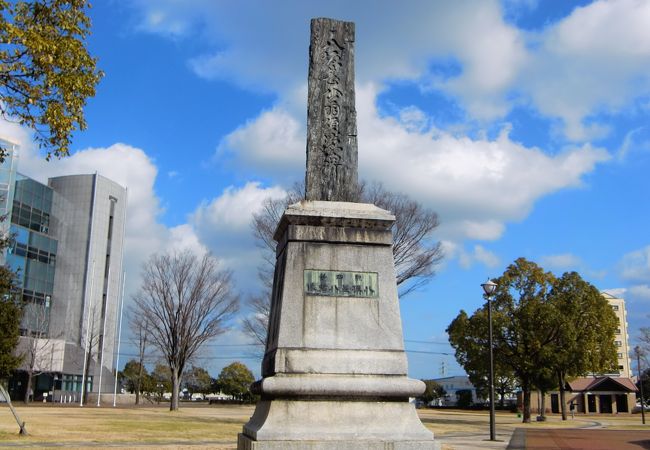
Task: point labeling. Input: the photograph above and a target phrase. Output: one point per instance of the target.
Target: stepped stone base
(334, 374)
(246, 443)
(329, 424)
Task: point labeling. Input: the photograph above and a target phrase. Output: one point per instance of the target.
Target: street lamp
(489, 287)
(637, 352)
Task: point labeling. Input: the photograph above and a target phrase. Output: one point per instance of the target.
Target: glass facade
(73, 383)
(32, 254)
(7, 175)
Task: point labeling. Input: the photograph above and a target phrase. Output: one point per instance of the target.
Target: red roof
(592, 383)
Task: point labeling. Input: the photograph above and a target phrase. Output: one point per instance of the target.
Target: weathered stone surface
(331, 116)
(335, 370)
(304, 423)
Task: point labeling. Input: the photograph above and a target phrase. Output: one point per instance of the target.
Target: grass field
(217, 426)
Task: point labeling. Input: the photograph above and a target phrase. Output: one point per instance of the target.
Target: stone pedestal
(335, 372)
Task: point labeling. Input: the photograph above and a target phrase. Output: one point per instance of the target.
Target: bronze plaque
(334, 283)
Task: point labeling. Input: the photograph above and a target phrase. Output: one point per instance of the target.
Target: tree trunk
(560, 379)
(143, 346)
(542, 413)
(138, 384)
(526, 411)
(173, 404)
(84, 388)
(28, 387)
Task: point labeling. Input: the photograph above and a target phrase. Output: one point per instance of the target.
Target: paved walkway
(573, 439)
(468, 441)
(551, 439)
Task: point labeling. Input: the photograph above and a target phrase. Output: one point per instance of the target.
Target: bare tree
(140, 329)
(415, 252)
(91, 349)
(184, 301)
(39, 345)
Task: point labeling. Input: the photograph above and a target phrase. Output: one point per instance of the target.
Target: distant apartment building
(67, 251)
(621, 338)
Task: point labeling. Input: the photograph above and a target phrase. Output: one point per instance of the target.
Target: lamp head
(489, 287)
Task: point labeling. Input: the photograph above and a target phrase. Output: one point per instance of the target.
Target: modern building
(67, 251)
(452, 385)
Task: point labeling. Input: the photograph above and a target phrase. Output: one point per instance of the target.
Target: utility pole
(637, 352)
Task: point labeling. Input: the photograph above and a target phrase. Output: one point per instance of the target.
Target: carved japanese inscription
(333, 283)
(331, 116)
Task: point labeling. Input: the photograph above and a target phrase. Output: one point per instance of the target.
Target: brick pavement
(578, 439)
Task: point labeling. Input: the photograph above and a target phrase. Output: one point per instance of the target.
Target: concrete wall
(89, 265)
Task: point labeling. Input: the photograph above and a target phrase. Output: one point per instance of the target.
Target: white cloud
(265, 46)
(274, 141)
(637, 293)
(476, 185)
(220, 225)
(126, 165)
(616, 292)
(597, 59)
(478, 254)
(563, 261)
(223, 224)
(640, 291)
(635, 266)
(234, 208)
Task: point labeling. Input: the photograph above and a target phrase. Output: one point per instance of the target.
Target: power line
(428, 353)
(259, 357)
(426, 342)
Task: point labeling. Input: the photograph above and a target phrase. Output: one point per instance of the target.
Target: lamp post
(489, 287)
(637, 352)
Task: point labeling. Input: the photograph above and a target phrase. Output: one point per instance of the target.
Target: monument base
(245, 443)
(330, 424)
(335, 371)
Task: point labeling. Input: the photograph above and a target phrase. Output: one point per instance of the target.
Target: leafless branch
(184, 301)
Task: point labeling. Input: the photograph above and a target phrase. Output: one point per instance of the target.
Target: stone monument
(334, 374)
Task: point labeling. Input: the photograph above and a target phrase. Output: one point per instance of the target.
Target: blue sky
(524, 124)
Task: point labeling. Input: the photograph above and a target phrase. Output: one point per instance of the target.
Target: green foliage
(46, 72)
(586, 328)
(469, 336)
(433, 391)
(545, 329)
(10, 315)
(235, 380)
(197, 380)
(130, 375)
(464, 398)
(161, 379)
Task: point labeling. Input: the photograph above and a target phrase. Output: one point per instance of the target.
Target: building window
(620, 367)
(619, 355)
(617, 343)
(618, 331)
(615, 307)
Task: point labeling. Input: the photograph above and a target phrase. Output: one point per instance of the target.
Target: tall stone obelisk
(331, 117)
(334, 374)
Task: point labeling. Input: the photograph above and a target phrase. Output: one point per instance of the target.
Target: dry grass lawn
(127, 425)
(217, 426)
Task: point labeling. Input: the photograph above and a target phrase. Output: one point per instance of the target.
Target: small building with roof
(597, 395)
